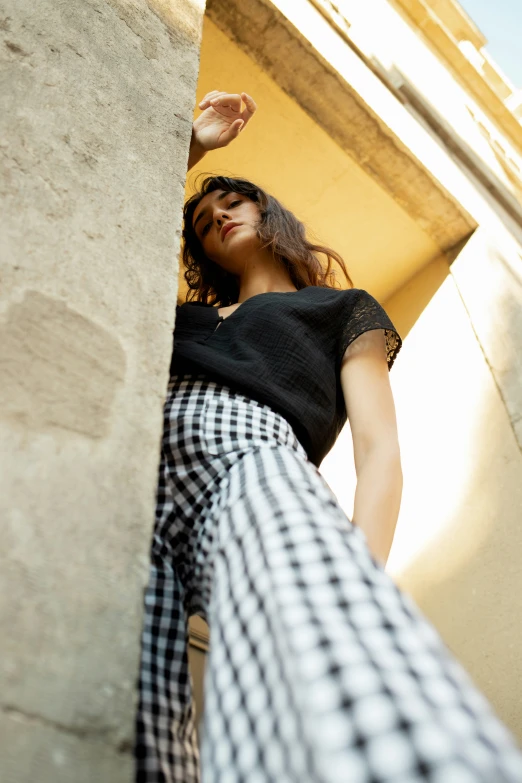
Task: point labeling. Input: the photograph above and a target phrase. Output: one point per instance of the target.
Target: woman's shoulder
(347, 297)
(192, 316)
(334, 296)
(321, 290)
(191, 304)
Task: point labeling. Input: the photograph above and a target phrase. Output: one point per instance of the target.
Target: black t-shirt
(284, 349)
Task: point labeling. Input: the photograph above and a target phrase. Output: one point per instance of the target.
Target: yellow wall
(408, 303)
(286, 152)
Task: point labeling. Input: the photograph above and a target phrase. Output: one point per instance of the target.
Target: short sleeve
(363, 314)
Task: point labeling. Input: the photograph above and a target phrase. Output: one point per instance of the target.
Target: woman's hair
(278, 229)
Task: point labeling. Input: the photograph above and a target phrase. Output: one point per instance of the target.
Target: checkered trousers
(320, 669)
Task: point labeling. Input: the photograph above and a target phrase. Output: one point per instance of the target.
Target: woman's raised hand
(222, 119)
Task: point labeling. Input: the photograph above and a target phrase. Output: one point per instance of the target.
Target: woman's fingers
(232, 101)
(250, 107)
(250, 103)
(211, 94)
(207, 98)
(233, 132)
(230, 108)
(227, 101)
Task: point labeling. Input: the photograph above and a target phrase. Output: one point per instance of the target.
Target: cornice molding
(270, 39)
(426, 21)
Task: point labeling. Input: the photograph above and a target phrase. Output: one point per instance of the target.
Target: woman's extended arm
(220, 123)
(196, 152)
(371, 411)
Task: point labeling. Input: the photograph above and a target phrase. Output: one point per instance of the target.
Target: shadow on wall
(414, 297)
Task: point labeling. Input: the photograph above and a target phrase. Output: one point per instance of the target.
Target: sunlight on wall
(458, 538)
(398, 50)
(437, 384)
(438, 381)
(405, 307)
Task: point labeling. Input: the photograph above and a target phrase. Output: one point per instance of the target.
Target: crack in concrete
(16, 49)
(136, 22)
(124, 746)
(31, 173)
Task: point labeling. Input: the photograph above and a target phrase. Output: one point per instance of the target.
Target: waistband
(227, 419)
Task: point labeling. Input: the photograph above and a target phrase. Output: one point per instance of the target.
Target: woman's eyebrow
(205, 211)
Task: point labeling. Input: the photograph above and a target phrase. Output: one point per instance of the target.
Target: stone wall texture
(96, 105)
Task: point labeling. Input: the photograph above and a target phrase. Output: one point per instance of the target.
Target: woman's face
(215, 211)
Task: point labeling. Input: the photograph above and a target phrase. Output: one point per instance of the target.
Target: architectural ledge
(327, 79)
(456, 20)
(447, 45)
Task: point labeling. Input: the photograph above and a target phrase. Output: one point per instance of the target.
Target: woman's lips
(228, 232)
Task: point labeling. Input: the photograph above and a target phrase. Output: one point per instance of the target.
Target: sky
(501, 23)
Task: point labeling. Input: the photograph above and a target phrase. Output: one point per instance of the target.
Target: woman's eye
(234, 203)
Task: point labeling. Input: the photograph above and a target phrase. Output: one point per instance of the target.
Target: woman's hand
(222, 119)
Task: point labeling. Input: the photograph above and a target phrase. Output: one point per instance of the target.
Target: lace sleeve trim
(367, 314)
(393, 346)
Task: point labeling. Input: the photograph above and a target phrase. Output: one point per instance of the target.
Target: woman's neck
(263, 283)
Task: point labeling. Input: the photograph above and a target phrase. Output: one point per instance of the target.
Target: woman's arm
(196, 151)
(221, 121)
(371, 411)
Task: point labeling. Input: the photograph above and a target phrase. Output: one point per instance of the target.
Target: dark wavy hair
(278, 230)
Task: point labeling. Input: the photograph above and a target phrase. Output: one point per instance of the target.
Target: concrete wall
(96, 100)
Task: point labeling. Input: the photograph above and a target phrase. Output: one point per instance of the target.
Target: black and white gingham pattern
(320, 669)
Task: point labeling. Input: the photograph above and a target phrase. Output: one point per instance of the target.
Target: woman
(319, 669)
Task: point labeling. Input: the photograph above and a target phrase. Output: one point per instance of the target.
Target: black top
(284, 349)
